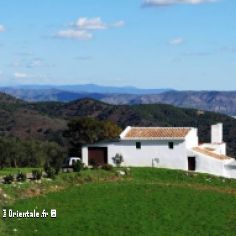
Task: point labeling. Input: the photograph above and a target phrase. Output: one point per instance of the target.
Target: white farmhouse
(165, 147)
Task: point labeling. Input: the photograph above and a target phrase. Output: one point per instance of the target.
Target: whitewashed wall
(85, 155)
(192, 138)
(207, 164)
(220, 148)
(230, 169)
(152, 153)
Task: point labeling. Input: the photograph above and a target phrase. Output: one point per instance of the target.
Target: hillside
(145, 115)
(19, 120)
(149, 201)
(48, 119)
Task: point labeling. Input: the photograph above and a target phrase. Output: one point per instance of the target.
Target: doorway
(192, 163)
(97, 156)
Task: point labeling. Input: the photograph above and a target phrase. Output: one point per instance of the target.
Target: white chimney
(217, 133)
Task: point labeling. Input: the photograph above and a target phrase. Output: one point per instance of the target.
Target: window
(138, 145)
(171, 145)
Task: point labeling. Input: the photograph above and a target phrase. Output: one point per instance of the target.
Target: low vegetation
(145, 202)
(30, 153)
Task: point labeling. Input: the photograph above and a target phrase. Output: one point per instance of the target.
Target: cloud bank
(74, 34)
(2, 28)
(176, 41)
(83, 28)
(21, 75)
(160, 3)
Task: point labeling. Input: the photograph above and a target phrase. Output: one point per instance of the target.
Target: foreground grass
(14, 171)
(152, 202)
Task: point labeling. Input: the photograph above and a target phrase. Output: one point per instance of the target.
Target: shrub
(78, 166)
(36, 174)
(94, 163)
(21, 177)
(50, 172)
(85, 168)
(8, 179)
(127, 171)
(107, 167)
(118, 159)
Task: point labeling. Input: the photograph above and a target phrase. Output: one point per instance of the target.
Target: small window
(138, 145)
(171, 145)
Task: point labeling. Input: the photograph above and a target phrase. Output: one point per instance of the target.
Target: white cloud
(29, 62)
(20, 75)
(36, 63)
(2, 28)
(75, 34)
(24, 78)
(84, 27)
(119, 24)
(159, 3)
(90, 23)
(176, 41)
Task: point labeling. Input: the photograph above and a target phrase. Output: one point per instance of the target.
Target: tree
(87, 130)
(30, 153)
(55, 155)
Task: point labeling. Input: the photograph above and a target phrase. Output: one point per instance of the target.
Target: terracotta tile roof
(156, 133)
(211, 154)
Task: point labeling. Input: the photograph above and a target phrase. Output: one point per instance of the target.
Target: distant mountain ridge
(39, 95)
(87, 88)
(216, 101)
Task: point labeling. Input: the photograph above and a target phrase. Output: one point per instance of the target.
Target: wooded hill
(19, 120)
(47, 120)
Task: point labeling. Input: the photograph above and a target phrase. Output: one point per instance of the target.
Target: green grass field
(149, 202)
(14, 171)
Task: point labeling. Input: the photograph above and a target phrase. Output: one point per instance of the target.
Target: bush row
(30, 153)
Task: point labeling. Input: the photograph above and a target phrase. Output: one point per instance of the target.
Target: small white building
(165, 147)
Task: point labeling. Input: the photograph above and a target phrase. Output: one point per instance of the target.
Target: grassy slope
(152, 202)
(14, 171)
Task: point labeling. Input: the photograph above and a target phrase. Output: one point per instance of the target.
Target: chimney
(217, 133)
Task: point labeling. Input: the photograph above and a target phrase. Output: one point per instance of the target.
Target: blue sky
(180, 44)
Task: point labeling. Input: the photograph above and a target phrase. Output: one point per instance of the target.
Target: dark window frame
(171, 145)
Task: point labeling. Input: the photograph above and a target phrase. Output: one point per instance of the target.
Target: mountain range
(216, 101)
